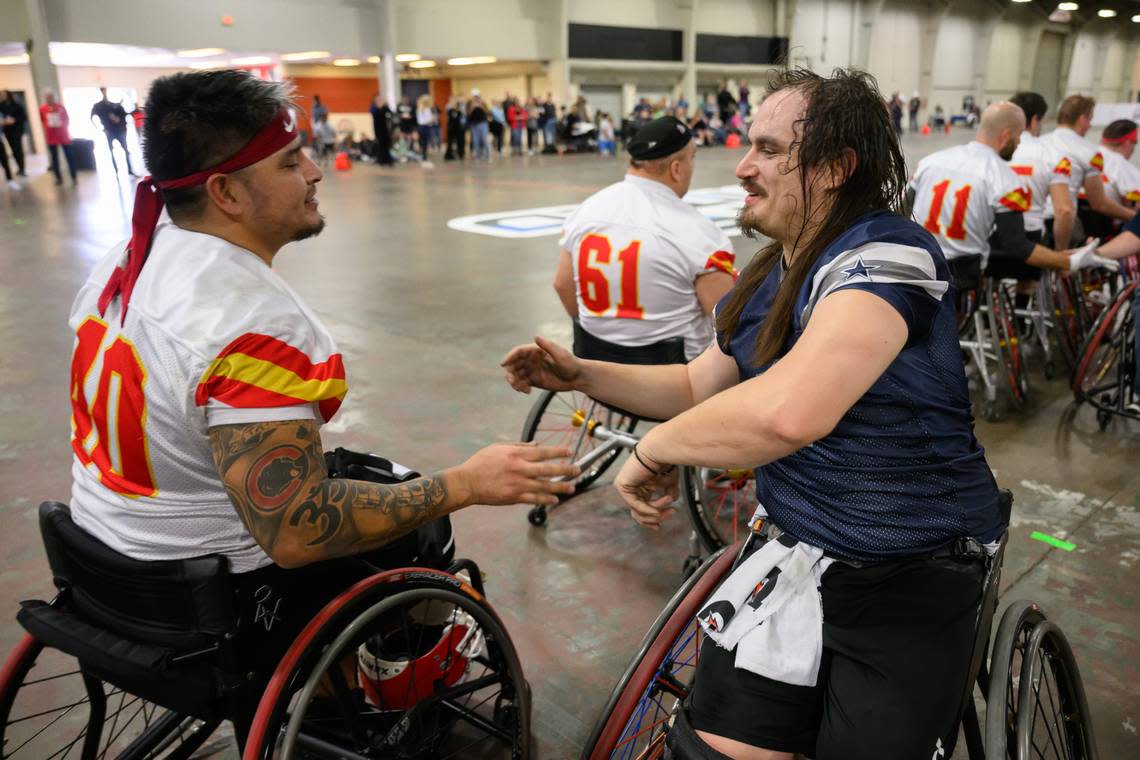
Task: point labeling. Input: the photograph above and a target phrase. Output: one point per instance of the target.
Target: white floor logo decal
(719, 204)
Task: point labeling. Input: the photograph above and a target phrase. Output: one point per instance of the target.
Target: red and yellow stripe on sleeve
(722, 261)
(1133, 196)
(1016, 200)
(1097, 162)
(1064, 166)
(259, 371)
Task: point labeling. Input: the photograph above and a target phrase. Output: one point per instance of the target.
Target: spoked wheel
(1002, 699)
(1066, 319)
(1103, 355)
(638, 714)
(407, 664)
(720, 503)
(1008, 346)
(49, 710)
(1053, 714)
(566, 419)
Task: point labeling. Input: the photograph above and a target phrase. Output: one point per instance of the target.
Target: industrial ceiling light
(1106, 13)
(308, 55)
(408, 57)
(200, 52)
(1136, 19)
(1022, 1)
(374, 59)
(1067, 6)
(471, 60)
(346, 62)
(422, 64)
(252, 60)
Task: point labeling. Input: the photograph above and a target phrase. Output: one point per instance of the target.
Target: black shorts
(897, 640)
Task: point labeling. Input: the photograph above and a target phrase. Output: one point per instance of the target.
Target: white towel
(769, 609)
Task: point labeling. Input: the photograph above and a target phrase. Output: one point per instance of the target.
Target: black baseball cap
(659, 138)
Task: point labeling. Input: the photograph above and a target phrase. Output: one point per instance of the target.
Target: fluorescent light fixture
(374, 59)
(207, 64)
(422, 64)
(200, 52)
(12, 60)
(1022, 1)
(1136, 19)
(1106, 13)
(308, 55)
(1067, 6)
(253, 60)
(471, 60)
(408, 57)
(346, 62)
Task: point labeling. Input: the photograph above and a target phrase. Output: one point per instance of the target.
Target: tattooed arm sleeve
(275, 475)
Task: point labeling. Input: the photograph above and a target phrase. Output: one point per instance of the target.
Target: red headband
(1130, 137)
(274, 136)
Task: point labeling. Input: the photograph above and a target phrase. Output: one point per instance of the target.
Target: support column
(628, 98)
(929, 29)
(44, 75)
(982, 50)
(1030, 44)
(559, 67)
(689, 54)
(386, 69)
(864, 15)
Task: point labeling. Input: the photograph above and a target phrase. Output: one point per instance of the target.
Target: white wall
(1112, 77)
(1003, 63)
(954, 55)
(737, 17)
(647, 14)
(508, 29)
(822, 33)
(895, 60)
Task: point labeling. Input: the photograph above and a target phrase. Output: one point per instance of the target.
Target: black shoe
(58, 182)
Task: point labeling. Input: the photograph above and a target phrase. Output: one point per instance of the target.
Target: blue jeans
(516, 139)
(550, 133)
(479, 140)
(425, 139)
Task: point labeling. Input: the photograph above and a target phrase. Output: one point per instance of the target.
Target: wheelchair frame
(1106, 381)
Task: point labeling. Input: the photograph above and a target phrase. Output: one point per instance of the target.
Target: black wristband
(643, 464)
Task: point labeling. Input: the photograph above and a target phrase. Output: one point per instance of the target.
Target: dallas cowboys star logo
(859, 269)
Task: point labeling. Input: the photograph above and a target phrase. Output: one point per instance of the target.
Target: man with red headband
(1121, 176)
(200, 380)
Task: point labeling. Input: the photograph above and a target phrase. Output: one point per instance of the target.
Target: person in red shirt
(54, 118)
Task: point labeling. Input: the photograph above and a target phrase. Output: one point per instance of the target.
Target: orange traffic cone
(925, 129)
(342, 163)
(947, 127)
(732, 141)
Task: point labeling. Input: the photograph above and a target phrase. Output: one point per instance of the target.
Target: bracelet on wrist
(641, 461)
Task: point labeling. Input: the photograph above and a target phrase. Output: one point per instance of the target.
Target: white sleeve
(703, 248)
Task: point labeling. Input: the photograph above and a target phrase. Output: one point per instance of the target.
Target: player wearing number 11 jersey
(639, 265)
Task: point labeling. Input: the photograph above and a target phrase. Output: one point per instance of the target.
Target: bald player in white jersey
(1081, 161)
(973, 203)
(638, 265)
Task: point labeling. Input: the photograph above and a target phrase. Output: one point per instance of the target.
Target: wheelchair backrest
(176, 603)
(587, 346)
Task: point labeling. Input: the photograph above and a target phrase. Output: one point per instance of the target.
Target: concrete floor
(423, 314)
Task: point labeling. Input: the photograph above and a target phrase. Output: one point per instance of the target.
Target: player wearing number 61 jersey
(638, 265)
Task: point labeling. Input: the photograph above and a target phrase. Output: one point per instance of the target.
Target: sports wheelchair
(1035, 704)
(140, 660)
(1105, 374)
(718, 502)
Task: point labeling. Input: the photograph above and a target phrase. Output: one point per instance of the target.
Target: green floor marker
(1052, 541)
(18, 221)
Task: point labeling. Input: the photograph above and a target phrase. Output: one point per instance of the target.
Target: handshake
(1087, 258)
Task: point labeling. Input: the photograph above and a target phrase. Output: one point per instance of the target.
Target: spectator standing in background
(382, 129)
(406, 116)
(725, 103)
(424, 120)
(478, 121)
(54, 118)
(745, 105)
(532, 114)
(516, 118)
(912, 107)
(13, 124)
(498, 120)
(606, 143)
(548, 123)
(456, 139)
(318, 111)
(896, 107)
(112, 118)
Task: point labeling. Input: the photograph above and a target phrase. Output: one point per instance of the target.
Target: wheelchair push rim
(354, 720)
(47, 711)
(1053, 716)
(637, 715)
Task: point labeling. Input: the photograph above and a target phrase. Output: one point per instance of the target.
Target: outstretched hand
(648, 494)
(1086, 258)
(518, 473)
(542, 364)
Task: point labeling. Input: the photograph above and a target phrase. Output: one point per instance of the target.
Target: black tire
(1107, 351)
(36, 676)
(551, 423)
(1065, 318)
(1053, 714)
(1017, 623)
(719, 503)
(659, 673)
(1008, 344)
(537, 516)
(490, 701)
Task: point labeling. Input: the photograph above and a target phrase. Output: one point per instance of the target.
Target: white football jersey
(212, 336)
(637, 251)
(959, 191)
(1077, 158)
(1121, 178)
(1036, 164)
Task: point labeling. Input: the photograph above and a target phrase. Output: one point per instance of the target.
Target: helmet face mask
(398, 668)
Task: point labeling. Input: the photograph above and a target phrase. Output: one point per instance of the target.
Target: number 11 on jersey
(593, 284)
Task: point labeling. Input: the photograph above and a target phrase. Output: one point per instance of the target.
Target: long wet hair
(846, 127)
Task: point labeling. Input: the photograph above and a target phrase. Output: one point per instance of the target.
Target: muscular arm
(711, 288)
(1063, 214)
(1124, 244)
(564, 283)
(1101, 203)
(275, 475)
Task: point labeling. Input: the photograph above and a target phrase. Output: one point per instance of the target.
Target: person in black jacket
(13, 123)
(381, 127)
(456, 136)
(113, 120)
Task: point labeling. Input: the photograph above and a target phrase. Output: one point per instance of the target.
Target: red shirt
(54, 118)
(516, 115)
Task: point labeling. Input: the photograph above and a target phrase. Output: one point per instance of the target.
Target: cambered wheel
(637, 715)
(720, 503)
(1053, 715)
(1006, 660)
(566, 419)
(407, 664)
(1104, 355)
(1066, 323)
(49, 709)
(1008, 344)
